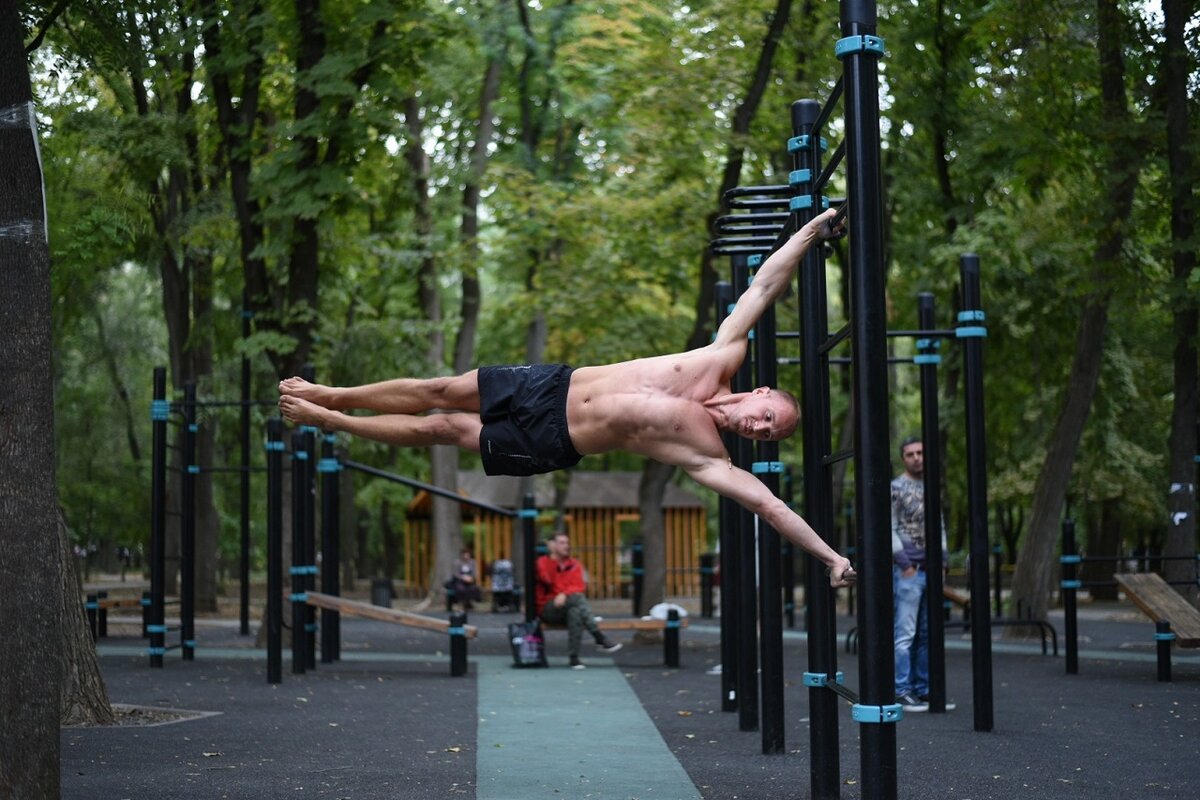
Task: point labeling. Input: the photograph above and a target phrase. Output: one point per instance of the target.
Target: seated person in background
(503, 585)
(560, 590)
(464, 584)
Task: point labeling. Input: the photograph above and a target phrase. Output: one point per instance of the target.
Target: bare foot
(312, 392)
(299, 411)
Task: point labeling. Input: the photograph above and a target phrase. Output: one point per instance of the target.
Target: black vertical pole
(330, 469)
(1162, 640)
(860, 50)
(310, 528)
(160, 412)
(274, 550)
(637, 568)
(458, 644)
(825, 763)
(528, 516)
(971, 331)
(768, 467)
(730, 565)
(92, 606)
(187, 541)
(743, 456)
(788, 554)
(927, 360)
(671, 639)
(707, 560)
(299, 614)
(244, 564)
(998, 580)
(1070, 585)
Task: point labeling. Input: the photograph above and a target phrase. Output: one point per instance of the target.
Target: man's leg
(400, 430)
(577, 606)
(908, 599)
(398, 396)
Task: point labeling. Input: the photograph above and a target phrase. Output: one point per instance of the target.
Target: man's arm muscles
(748, 491)
(771, 281)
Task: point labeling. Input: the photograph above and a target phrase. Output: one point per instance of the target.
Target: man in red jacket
(560, 598)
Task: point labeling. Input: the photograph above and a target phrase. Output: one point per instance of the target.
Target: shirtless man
(529, 419)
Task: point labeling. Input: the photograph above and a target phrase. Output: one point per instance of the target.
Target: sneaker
(911, 703)
(924, 698)
(577, 664)
(608, 646)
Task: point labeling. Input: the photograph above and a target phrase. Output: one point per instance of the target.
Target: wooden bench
(97, 605)
(1175, 619)
(356, 608)
(669, 627)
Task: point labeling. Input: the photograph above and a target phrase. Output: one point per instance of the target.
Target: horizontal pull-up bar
(741, 251)
(751, 219)
(733, 241)
(751, 191)
(748, 230)
(428, 487)
(759, 203)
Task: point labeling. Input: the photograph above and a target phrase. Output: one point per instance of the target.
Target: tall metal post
(309, 465)
(528, 516)
(244, 563)
(768, 467)
(160, 412)
(187, 538)
(330, 469)
(825, 761)
(743, 456)
(927, 360)
(860, 50)
(972, 332)
(729, 563)
(1070, 586)
(299, 607)
(274, 550)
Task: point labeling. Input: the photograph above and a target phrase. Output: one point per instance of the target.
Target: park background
(417, 188)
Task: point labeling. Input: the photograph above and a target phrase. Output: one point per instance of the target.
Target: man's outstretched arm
(772, 279)
(748, 491)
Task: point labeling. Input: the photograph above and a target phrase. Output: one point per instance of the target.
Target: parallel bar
(428, 487)
(758, 203)
(730, 569)
(774, 190)
(743, 456)
(930, 439)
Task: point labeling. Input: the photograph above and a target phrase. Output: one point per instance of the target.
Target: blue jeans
(912, 633)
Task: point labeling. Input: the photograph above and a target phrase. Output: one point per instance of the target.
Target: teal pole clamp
(1164, 637)
(302, 455)
(971, 315)
(797, 143)
(971, 333)
(708, 570)
(799, 177)
(329, 465)
(156, 651)
(247, 314)
(193, 427)
(193, 469)
(303, 569)
(1068, 558)
(817, 680)
(310, 627)
(763, 467)
(309, 429)
(298, 597)
(638, 571)
(189, 644)
(877, 714)
(156, 629)
(274, 447)
(91, 605)
(1197, 458)
(674, 623)
(806, 201)
(859, 44)
(457, 630)
(331, 438)
(160, 410)
(754, 260)
(927, 359)
(146, 601)
(922, 344)
(528, 513)
(1072, 584)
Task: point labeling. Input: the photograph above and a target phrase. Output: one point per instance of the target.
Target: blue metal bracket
(528, 513)
(971, 315)
(274, 446)
(805, 201)
(891, 713)
(156, 629)
(1068, 558)
(817, 680)
(936, 344)
(1164, 637)
(329, 465)
(309, 429)
(300, 455)
(193, 469)
(859, 44)
(156, 651)
(303, 569)
(457, 630)
(762, 467)
(971, 332)
(160, 410)
(798, 177)
(797, 143)
(1072, 584)
(927, 359)
(298, 597)
(674, 623)
(754, 260)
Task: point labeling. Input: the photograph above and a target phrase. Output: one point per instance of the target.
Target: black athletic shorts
(524, 415)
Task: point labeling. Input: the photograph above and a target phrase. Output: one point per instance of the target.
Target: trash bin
(381, 592)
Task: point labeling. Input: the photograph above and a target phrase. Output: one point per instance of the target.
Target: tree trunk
(1103, 539)
(30, 617)
(653, 485)
(1181, 446)
(1118, 173)
(84, 696)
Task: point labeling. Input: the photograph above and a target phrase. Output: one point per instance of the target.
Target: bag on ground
(528, 644)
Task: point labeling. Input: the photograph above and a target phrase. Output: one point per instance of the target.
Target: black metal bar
(529, 535)
(934, 560)
(728, 513)
(330, 471)
(818, 124)
(158, 516)
(183, 404)
(1069, 596)
(833, 458)
(977, 521)
(637, 568)
(299, 614)
(733, 222)
(770, 598)
(747, 229)
(742, 456)
(458, 644)
(825, 761)
(187, 538)
(1162, 639)
(834, 339)
(752, 204)
(428, 487)
(244, 549)
(933, 333)
(826, 174)
(707, 565)
(997, 580)
(671, 639)
(872, 471)
(743, 241)
(274, 550)
(741, 251)
(773, 190)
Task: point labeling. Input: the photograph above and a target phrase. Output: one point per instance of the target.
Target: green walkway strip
(561, 733)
